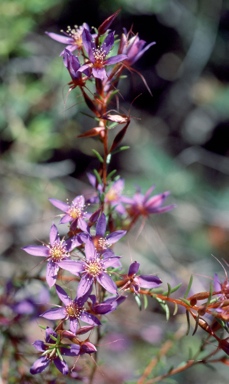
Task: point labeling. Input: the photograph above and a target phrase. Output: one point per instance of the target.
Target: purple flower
(98, 54)
(87, 347)
(93, 269)
(145, 205)
(113, 195)
(72, 310)
(52, 350)
(107, 306)
(73, 38)
(102, 242)
(72, 64)
(135, 282)
(55, 252)
(222, 289)
(133, 48)
(74, 213)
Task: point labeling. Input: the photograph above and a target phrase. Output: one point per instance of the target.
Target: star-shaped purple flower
(134, 48)
(103, 242)
(72, 310)
(58, 250)
(52, 350)
(143, 204)
(107, 306)
(135, 282)
(113, 194)
(72, 38)
(98, 54)
(74, 212)
(72, 64)
(93, 269)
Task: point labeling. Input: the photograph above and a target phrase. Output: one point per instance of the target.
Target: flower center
(76, 34)
(94, 267)
(58, 251)
(99, 56)
(52, 354)
(111, 195)
(75, 211)
(74, 310)
(100, 243)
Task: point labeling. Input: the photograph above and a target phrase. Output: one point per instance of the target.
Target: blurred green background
(179, 137)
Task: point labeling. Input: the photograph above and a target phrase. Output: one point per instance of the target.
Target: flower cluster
(87, 249)
(86, 252)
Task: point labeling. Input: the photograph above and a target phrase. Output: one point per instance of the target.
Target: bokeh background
(179, 140)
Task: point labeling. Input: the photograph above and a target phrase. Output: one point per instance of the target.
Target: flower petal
(90, 319)
(157, 200)
(90, 251)
(73, 325)
(87, 40)
(115, 59)
(73, 351)
(99, 73)
(87, 347)
(37, 250)
(63, 295)
(113, 262)
(149, 281)
(66, 219)
(101, 225)
(148, 192)
(59, 204)
(79, 201)
(60, 38)
(115, 236)
(51, 273)
(82, 224)
(141, 52)
(84, 286)
(75, 267)
(61, 365)
(134, 267)
(39, 345)
(72, 243)
(39, 365)
(53, 235)
(103, 308)
(107, 283)
(108, 43)
(48, 332)
(54, 314)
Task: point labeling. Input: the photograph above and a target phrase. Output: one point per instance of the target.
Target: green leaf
(185, 301)
(97, 175)
(188, 322)
(99, 157)
(175, 309)
(59, 354)
(138, 301)
(111, 174)
(123, 148)
(145, 300)
(189, 287)
(171, 290)
(210, 295)
(165, 307)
